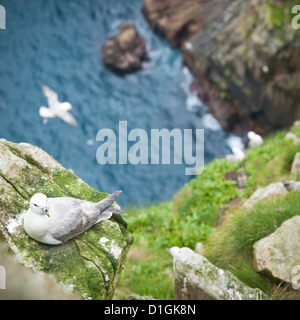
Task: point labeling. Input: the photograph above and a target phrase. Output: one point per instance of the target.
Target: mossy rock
(90, 264)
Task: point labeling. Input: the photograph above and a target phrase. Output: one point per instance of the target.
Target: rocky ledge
(90, 264)
(125, 52)
(243, 53)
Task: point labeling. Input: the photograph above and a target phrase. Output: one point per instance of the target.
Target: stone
(272, 190)
(292, 136)
(125, 52)
(296, 164)
(198, 279)
(296, 123)
(279, 252)
(240, 178)
(84, 265)
(291, 185)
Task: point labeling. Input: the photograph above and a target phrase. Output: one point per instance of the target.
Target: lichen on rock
(196, 278)
(82, 264)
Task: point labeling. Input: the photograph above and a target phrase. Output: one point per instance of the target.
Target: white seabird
(255, 140)
(237, 155)
(56, 108)
(56, 220)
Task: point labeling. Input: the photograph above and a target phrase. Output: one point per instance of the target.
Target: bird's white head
(39, 204)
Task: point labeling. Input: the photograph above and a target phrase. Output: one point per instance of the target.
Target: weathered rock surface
(126, 51)
(291, 185)
(279, 252)
(198, 279)
(90, 264)
(244, 54)
(272, 190)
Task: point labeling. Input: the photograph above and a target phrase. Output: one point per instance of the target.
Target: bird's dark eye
(35, 204)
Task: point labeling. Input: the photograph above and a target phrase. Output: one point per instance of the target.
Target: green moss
(275, 15)
(75, 187)
(279, 17)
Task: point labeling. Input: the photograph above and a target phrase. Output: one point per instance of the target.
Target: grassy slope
(200, 212)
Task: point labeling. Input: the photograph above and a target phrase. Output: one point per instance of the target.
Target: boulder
(279, 253)
(84, 265)
(198, 279)
(296, 164)
(272, 190)
(126, 51)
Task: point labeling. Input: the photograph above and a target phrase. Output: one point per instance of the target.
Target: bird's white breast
(36, 225)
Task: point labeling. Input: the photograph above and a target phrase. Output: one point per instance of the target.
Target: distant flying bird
(56, 108)
(237, 155)
(255, 140)
(56, 220)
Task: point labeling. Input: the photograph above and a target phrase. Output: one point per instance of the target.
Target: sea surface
(58, 43)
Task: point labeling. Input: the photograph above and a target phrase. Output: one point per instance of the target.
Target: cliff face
(244, 54)
(85, 265)
(177, 20)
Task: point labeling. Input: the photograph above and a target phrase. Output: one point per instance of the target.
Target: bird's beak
(45, 210)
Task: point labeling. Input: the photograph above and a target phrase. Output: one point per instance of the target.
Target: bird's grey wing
(73, 216)
(106, 214)
(107, 202)
(69, 220)
(51, 96)
(66, 116)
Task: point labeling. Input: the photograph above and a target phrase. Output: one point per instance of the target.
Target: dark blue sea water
(58, 43)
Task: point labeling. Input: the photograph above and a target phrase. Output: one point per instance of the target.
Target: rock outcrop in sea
(244, 55)
(88, 265)
(125, 52)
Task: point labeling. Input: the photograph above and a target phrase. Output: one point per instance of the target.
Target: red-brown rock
(125, 52)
